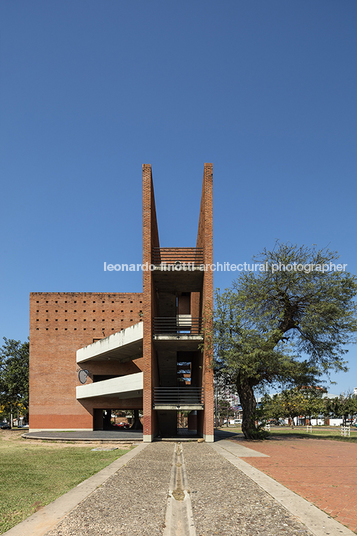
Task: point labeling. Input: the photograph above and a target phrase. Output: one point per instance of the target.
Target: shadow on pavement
(226, 434)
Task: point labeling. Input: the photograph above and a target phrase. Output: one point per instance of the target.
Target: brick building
(93, 353)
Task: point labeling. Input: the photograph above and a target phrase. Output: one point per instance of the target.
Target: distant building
(95, 352)
(227, 393)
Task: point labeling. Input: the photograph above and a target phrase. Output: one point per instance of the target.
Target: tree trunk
(136, 422)
(248, 403)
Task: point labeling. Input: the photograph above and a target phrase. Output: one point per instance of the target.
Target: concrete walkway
(219, 494)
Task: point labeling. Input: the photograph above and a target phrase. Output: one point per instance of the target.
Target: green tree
(287, 323)
(289, 404)
(271, 407)
(332, 407)
(294, 404)
(344, 407)
(315, 404)
(14, 376)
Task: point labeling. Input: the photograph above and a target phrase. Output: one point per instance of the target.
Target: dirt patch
(7, 435)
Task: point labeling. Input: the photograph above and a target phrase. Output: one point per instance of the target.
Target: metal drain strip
(179, 517)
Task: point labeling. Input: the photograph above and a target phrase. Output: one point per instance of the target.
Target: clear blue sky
(91, 90)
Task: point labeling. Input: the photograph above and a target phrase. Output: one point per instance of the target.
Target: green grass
(319, 432)
(33, 475)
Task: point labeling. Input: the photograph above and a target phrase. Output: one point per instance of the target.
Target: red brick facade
(205, 240)
(150, 240)
(62, 323)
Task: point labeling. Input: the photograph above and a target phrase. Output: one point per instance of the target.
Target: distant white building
(227, 393)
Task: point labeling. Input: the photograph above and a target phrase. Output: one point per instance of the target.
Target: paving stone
(227, 502)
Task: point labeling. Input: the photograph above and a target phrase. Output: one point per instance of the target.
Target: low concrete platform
(105, 436)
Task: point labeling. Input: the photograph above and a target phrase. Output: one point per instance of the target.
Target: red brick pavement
(322, 471)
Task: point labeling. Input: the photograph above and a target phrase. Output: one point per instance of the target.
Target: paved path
(224, 501)
(322, 471)
(226, 497)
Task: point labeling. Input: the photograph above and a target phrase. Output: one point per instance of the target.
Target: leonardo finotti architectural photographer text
(226, 267)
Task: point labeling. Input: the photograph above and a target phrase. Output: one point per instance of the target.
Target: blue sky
(266, 90)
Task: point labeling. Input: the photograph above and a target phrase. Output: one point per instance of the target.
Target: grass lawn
(319, 432)
(35, 473)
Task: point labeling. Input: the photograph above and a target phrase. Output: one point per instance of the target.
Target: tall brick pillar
(150, 240)
(205, 241)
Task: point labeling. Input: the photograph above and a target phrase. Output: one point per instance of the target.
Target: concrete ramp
(129, 386)
(122, 346)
